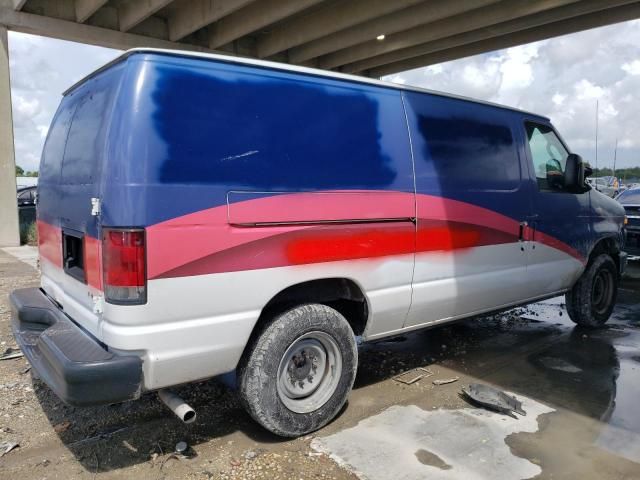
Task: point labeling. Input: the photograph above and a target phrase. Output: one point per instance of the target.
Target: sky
(561, 78)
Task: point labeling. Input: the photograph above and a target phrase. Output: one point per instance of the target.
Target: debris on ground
(62, 427)
(10, 353)
(412, 376)
(446, 381)
(6, 447)
(129, 447)
(250, 455)
(181, 448)
(493, 399)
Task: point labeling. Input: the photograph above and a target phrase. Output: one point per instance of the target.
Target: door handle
(523, 226)
(521, 234)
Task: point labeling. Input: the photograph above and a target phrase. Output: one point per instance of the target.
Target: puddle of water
(621, 435)
(408, 443)
(605, 376)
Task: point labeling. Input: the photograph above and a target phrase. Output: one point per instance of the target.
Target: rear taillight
(125, 276)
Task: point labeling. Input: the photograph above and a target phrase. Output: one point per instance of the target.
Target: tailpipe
(178, 406)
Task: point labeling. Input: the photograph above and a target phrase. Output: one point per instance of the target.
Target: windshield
(630, 197)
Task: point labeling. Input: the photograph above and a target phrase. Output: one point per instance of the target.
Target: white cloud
(632, 67)
(558, 99)
(43, 129)
(585, 90)
(26, 107)
(516, 66)
(434, 69)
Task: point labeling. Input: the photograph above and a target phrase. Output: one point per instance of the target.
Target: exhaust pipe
(178, 406)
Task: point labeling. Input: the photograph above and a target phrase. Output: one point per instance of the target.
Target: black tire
(258, 373)
(591, 300)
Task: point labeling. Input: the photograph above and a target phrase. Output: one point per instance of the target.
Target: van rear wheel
(298, 372)
(591, 300)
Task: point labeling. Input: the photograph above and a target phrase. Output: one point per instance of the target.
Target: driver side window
(549, 157)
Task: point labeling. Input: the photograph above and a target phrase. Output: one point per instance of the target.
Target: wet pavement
(580, 389)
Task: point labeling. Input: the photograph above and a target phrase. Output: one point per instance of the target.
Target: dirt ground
(586, 382)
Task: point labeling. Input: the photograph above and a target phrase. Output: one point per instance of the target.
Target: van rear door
(71, 180)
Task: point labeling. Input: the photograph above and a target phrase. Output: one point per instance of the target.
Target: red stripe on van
(329, 243)
(50, 248)
(205, 242)
(210, 231)
(50, 243)
(346, 244)
(553, 242)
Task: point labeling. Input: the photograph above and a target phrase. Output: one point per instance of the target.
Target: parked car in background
(27, 197)
(630, 200)
(607, 185)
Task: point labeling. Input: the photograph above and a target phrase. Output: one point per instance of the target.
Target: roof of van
(288, 68)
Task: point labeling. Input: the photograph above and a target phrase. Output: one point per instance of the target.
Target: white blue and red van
(201, 214)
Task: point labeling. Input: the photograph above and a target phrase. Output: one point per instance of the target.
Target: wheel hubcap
(602, 291)
(309, 372)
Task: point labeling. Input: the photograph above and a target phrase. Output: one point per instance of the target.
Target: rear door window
(56, 140)
(84, 144)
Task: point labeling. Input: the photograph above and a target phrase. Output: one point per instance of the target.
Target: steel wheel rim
(602, 291)
(309, 372)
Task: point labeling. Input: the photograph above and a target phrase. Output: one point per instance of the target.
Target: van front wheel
(298, 372)
(591, 300)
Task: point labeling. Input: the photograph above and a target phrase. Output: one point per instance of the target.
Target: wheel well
(339, 293)
(607, 245)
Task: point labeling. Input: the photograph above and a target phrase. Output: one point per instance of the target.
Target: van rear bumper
(75, 366)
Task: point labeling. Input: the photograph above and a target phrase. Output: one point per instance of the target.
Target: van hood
(604, 206)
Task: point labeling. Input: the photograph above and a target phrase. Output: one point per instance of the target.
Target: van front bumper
(623, 259)
(75, 366)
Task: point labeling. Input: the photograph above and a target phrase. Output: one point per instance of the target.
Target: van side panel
(249, 181)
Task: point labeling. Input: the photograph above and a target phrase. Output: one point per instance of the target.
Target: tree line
(624, 173)
(21, 173)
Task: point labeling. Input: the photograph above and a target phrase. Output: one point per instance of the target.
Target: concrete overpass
(365, 37)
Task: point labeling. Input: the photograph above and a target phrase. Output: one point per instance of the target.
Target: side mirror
(575, 174)
(588, 171)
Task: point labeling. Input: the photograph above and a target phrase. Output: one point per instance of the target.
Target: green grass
(28, 230)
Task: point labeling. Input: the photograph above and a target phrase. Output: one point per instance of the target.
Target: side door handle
(521, 233)
(522, 229)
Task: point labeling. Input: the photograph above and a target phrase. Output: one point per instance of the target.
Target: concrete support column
(9, 230)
